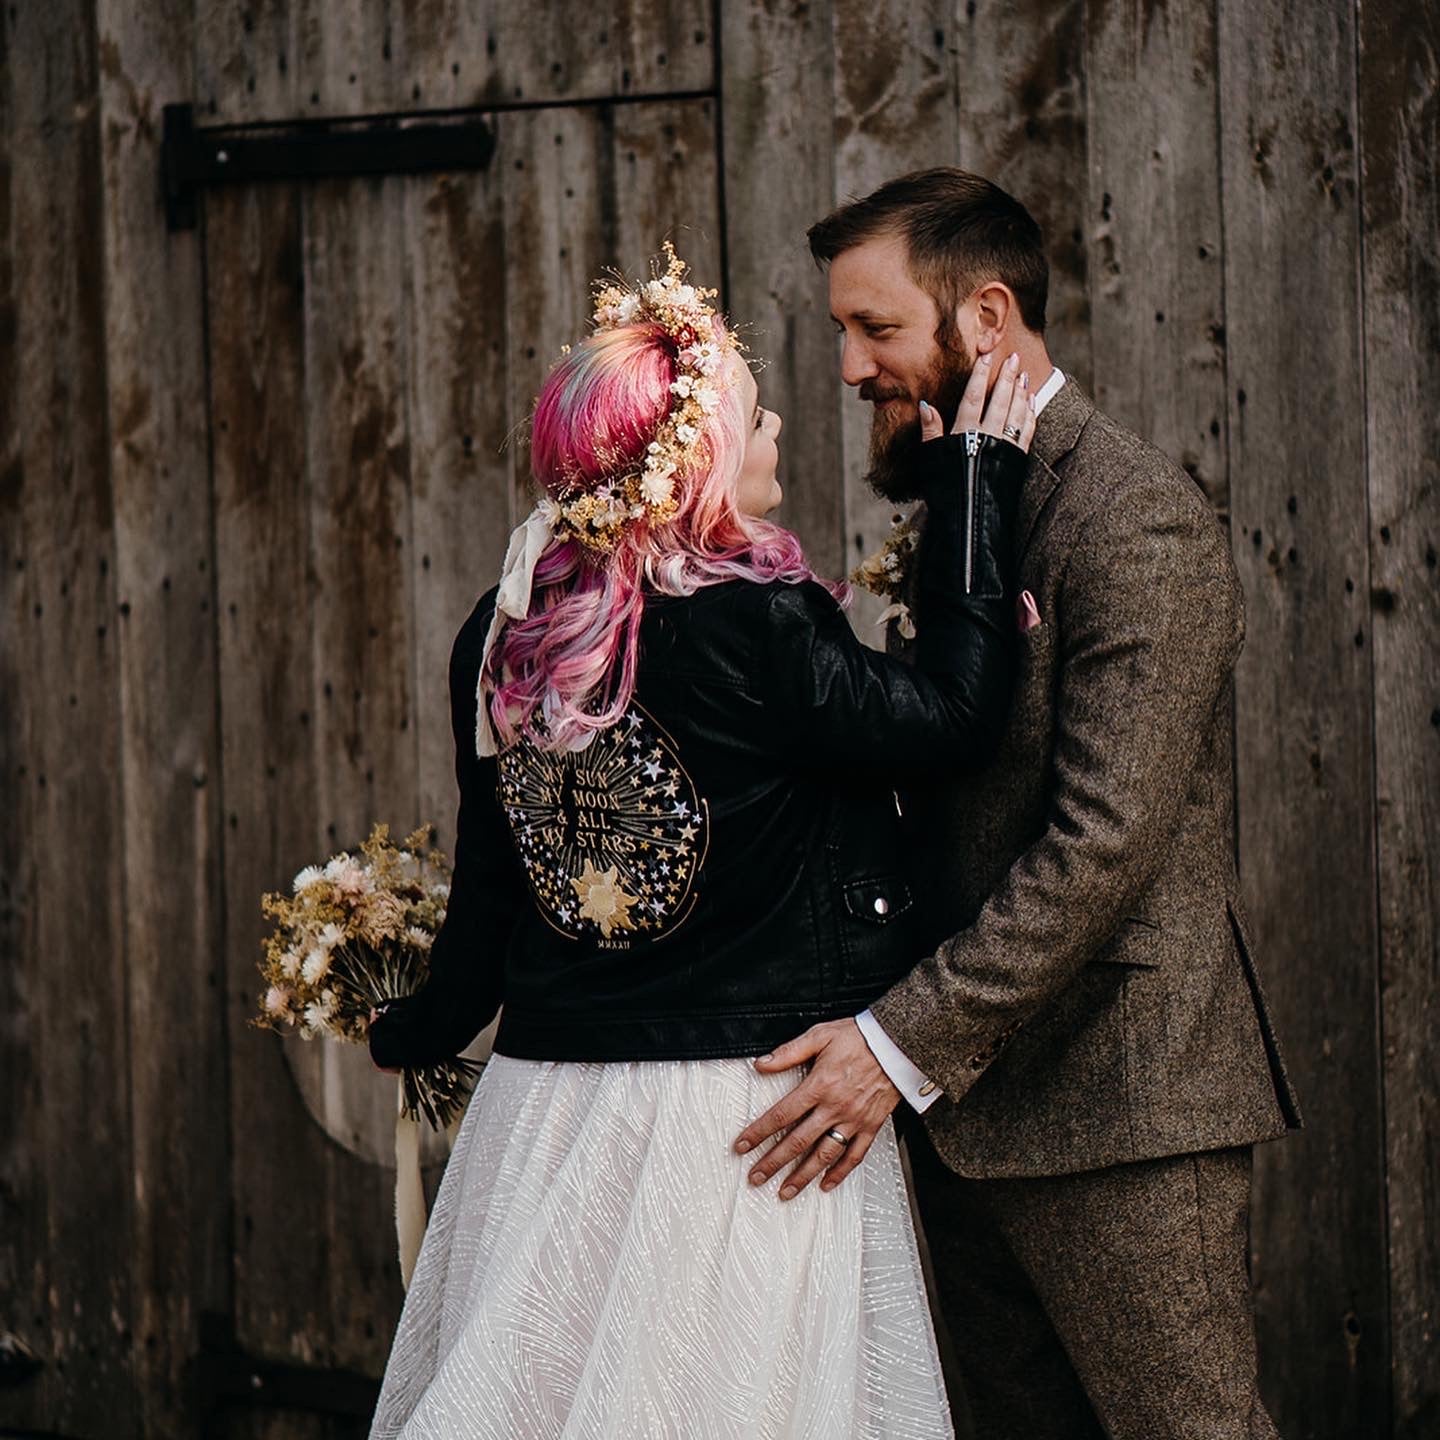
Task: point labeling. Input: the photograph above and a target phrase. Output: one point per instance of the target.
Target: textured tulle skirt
(596, 1265)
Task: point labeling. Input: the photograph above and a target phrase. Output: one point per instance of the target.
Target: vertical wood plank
(894, 112)
(1306, 811)
(1399, 91)
(1153, 233)
(279, 1173)
(557, 174)
(779, 176)
(58, 485)
(666, 160)
(285, 1167)
(357, 460)
(458, 409)
(588, 190)
(155, 366)
(459, 416)
(1022, 118)
(23, 1237)
(286, 59)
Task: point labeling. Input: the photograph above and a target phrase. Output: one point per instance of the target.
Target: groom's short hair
(960, 230)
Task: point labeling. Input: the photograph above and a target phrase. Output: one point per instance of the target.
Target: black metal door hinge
(192, 156)
(224, 1375)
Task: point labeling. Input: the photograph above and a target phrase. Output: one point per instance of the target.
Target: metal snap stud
(882, 905)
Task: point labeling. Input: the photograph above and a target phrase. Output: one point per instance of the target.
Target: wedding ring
(836, 1136)
(1011, 433)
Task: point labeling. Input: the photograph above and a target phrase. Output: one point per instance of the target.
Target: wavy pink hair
(568, 669)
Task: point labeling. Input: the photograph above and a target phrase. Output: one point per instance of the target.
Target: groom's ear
(994, 310)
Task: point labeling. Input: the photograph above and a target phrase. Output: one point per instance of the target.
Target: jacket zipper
(972, 450)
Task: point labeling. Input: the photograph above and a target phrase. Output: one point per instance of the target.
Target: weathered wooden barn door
(371, 342)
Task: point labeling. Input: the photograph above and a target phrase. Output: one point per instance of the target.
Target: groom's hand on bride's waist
(845, 1094)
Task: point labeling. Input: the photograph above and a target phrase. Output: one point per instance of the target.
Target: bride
(677, 847)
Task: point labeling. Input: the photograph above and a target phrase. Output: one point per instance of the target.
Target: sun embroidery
(603, 899)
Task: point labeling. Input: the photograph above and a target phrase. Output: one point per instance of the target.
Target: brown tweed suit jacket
(1096, 1000)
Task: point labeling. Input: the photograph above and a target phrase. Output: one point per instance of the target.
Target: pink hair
(568, 669)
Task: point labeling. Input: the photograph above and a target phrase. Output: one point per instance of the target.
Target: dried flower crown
(599, 516)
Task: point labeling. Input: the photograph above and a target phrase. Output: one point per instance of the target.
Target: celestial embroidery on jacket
(612, 837)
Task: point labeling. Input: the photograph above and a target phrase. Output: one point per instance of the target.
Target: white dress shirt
(905, 1076)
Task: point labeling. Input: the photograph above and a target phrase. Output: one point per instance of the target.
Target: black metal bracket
(223, 1375)
(18, 1362)
(192, 157)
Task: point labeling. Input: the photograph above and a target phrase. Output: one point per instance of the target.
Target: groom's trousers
(1114, 1303)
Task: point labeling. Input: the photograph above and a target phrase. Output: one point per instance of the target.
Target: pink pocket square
(1027, 613)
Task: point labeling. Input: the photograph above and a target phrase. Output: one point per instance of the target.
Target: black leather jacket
(725, 867)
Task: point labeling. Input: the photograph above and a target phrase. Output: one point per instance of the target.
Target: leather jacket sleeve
(833, 700)
(463, 991)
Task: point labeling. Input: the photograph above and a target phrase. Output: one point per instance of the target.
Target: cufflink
(928, 1088)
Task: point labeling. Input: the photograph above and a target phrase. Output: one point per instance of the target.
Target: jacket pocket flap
(1136, 942)
(879, 900)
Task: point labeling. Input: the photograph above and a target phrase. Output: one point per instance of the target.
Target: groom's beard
(895, 443)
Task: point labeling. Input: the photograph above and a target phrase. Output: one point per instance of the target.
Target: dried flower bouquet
(353, 935)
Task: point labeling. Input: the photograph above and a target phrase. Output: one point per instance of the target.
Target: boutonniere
(884, 573)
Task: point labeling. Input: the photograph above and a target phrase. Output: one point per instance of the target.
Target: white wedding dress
(597, 1267)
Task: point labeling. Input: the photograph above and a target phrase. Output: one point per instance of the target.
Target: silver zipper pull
(972, 449)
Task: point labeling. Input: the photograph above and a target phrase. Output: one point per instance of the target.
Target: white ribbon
(517, 576)
(411, 1216)
(409, 1191)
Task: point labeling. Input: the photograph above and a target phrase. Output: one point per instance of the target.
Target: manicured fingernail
(763, 1059)
(742, 1146)
(986, 358)
(757, 1177)
(1024, 379)
(788, 1193)
(1014, 361)
(828, 1184)
(924, 410)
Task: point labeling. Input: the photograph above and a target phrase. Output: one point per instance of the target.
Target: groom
(1087, 1041)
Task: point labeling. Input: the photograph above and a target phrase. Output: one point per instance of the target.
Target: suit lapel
(1056, 432)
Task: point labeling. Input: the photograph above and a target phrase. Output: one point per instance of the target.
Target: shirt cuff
(918, 1090)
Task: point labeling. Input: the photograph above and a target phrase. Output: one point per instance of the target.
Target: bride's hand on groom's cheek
(1010, 413)
(846, 1091)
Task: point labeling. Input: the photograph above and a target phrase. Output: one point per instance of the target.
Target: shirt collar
(1047, 391)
